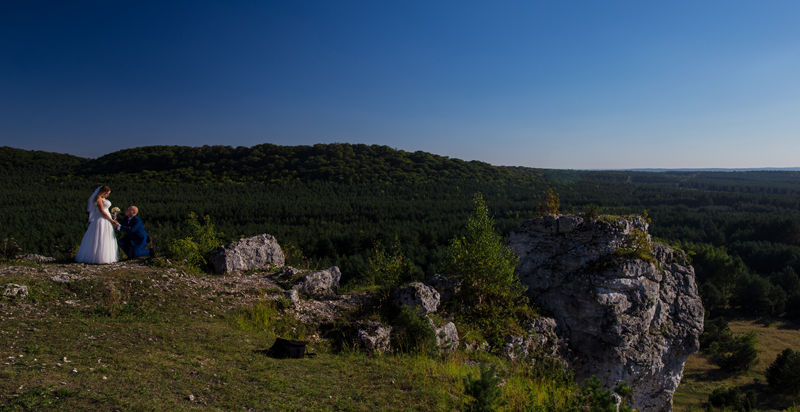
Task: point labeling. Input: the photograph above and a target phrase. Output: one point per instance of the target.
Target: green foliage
(197, 249)
(485, 394)
(9, 250)
(599, 400)
(551, 203)
(715, 330)
(783, 374)
(591, 212)
(389, 267)
(413, 333)
(637, 246)
(490, 289)
(294, 257)
(625, 392)
(731, 399)
(737, 354)
(712, 297)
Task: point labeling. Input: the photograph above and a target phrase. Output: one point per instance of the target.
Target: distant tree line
(334, 202)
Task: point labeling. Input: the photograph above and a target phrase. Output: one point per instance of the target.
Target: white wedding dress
(99, 244)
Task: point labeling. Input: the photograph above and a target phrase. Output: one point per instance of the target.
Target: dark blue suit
(136, 240)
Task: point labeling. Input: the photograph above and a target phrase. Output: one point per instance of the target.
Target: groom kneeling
(135, 242)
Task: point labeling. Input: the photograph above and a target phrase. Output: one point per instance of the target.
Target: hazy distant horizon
(654, 170)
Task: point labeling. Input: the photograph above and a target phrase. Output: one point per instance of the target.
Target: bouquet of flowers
(114, 210)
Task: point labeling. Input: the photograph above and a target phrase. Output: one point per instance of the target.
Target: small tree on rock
(551, 203)
(489, 287)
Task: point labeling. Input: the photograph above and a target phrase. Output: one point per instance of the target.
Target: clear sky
(553, 84)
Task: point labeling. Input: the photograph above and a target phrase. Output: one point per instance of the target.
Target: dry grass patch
(701, 376)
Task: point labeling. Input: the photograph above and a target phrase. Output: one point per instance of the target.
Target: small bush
(731, 399)
(389, 267)
(197, 249)
(736, 354)
(9, 250)
(294, 257)
(413, 333)
(783, 374)
(485, 394)
(715, 330)
(591, 212)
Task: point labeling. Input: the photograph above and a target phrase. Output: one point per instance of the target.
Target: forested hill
(337, 162)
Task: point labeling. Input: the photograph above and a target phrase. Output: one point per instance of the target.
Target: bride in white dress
(99, 244)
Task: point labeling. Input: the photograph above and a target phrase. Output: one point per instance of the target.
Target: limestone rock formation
(257, 252)
(417, 295)
(446, 337)
(623, 318)
(321, 283)
(541, 341)
(373, 337)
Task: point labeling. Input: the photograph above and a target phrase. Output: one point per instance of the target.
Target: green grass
(139, 338)
(701, 376)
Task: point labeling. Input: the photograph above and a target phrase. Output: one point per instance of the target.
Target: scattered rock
(12, 290)
(417, 295)
(36, 258)
(373, 337)
(324, 282)
(66, 278)
(258, 252)
(483, 346)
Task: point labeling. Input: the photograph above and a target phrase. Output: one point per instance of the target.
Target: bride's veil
(91, 199)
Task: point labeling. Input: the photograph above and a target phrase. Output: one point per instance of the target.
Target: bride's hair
(103, 190)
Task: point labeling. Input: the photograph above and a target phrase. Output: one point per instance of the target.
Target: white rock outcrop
(257, 252)
(623, 318)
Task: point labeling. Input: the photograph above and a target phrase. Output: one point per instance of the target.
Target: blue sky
(552, 84)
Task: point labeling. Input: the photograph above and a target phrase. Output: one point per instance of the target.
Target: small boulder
(12, 290)
(293, 296)
(447, 337)
(417, 295)
(323, 282)
(373, 337)
(258, 252)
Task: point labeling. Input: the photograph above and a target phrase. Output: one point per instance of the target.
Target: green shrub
(490, 289)
(637, 246)
(599, 400)
(551, 203)
(413, 333)
(715, 330)
(783, 374)
(736, 354)
(197, 249)
(9, 250)
(485, 394)
(389, 267)
(731, 399)
(591, 212)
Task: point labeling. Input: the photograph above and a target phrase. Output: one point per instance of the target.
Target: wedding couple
(99, 244)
